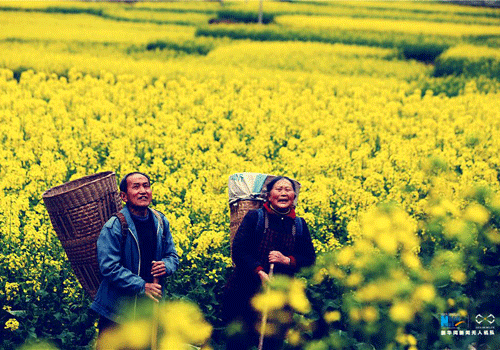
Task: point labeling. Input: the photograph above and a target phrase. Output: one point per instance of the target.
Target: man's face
(139, 193)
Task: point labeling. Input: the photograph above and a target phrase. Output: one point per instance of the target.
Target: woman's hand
(277, 258)
(264, 277)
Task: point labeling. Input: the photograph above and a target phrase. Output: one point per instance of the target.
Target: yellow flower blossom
(183, 323)
(458, 276)
(411, 260)
(11, 290)
(332, 316)
(12, 324)
(387, 242)
(136, 334)
(345, 255)
(401, 312)
(354, 279)
(493, 235)
(369, 314)
(271, 300)
(455, 228)
(297, 297)
(369, 292)
(412, 340)
(355, 315)
(477, 213)
(425, 293)
(293, 337)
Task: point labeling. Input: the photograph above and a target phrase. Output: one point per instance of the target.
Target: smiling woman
(269, 239)
(282, 194)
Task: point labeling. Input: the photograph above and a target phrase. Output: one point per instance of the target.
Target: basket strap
(160, 222)
(297, 227)
(124, 225)
(262, 221)
(266, 219)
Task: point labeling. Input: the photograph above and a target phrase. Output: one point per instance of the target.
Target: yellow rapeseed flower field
(357, 125)
(85, 28)
(385, 25)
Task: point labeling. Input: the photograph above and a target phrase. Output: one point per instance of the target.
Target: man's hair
(124, 184)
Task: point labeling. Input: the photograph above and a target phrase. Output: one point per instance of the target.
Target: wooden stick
(264, 316)
(156, 316)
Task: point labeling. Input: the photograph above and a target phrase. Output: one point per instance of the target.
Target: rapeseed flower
(370, 314)
(271, 300)
(477, 213)
(11, 324)
(297, 297)
(401, 312)
(425, 293)
(332, 316)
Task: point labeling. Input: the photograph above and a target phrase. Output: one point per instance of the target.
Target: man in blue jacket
(135, 261)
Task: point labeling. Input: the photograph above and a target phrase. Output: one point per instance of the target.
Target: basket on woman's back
(247, 192)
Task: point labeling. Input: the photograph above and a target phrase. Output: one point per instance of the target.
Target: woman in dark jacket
(270, 235)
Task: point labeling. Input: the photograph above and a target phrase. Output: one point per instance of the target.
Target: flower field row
(194, 13)
(468, 60)
(352, 142)
(399, 169)
(99, 30)
(387, 25)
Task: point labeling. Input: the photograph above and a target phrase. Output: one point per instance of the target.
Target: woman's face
(282, 194)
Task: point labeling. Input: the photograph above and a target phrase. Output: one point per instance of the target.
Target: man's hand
(158, 269)
(153, 291)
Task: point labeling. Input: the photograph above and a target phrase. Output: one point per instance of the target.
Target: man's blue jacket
(121, 265)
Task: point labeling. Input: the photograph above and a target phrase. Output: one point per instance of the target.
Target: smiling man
(135, 252)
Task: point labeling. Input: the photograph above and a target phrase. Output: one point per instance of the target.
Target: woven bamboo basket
(238, 210)
(78, 210)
